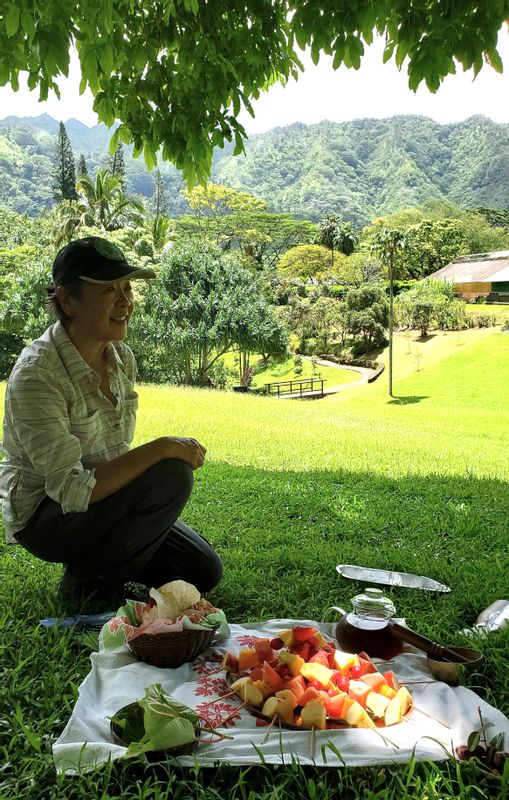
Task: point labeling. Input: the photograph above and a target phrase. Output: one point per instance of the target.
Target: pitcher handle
(333, 608)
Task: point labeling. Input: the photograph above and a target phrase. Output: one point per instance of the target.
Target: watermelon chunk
(334, 705)
(271, 677)
(264, 650)
(321, 657)
(297, 686)
(358, 690)
(374, 679)
(310, 694)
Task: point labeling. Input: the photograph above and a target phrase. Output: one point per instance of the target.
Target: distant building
(479, 275)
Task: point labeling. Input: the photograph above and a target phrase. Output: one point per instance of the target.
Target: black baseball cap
(95, 260)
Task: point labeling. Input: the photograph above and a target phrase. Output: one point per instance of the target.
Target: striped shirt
(58, 425)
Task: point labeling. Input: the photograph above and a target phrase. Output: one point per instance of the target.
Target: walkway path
(365, 374)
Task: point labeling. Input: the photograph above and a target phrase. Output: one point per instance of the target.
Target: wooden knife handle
(433, 649)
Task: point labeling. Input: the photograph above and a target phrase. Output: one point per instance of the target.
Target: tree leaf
(473, 740)
(12, 21)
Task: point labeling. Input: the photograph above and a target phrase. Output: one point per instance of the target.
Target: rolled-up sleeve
(39, 416)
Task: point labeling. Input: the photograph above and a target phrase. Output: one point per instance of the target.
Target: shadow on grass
(427, 338)
(409, 400)
(281, 535)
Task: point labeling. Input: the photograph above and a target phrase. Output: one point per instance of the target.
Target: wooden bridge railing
(301, 387)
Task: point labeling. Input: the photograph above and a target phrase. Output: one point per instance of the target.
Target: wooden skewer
(223, 697)
(215, 671)
(407, 683)
(269, 729)
(442, 741)
(312, 743)
(416, 708)
(230, 715)
(384, 737)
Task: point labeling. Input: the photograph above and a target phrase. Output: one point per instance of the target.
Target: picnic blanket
(117, 679)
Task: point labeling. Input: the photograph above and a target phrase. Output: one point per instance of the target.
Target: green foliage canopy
(306, 262)
(201, 305)
(430, 302)
(176, 72)
(367, 313)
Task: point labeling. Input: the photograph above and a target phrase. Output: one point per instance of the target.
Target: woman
(73, 491)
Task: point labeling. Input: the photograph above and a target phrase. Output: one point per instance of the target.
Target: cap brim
(120, 272)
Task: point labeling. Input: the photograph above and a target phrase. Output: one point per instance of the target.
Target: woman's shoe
(90, 597)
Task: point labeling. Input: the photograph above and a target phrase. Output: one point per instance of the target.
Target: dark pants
(132, 535)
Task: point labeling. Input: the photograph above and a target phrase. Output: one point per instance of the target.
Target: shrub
(10, 348)
(367, 317)
(346, 357)
(484, 320)
(450, 315)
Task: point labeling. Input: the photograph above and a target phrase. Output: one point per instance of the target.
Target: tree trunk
(391, 320)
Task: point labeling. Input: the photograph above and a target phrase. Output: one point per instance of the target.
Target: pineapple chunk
(287, 637)
(252, 695)
(317, 672)
(377, 703)
(393, 712)
(288, 696)
(355, 713)
(239, 683)
(344, 661)
(314, 715)
(405, 698)
(292, 661)
(270, 706)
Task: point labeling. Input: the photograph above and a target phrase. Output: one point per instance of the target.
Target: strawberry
(301, 633)
(302, 650)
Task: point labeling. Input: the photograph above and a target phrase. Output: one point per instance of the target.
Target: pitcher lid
(373, 603)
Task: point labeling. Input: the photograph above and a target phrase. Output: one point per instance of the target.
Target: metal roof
(476, 268)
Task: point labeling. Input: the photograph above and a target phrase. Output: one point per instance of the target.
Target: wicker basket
(172, 649)
(153, 755)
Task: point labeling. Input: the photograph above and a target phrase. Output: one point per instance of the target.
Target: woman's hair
(74, 289)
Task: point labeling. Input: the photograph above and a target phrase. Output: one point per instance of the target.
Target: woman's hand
(184, 448)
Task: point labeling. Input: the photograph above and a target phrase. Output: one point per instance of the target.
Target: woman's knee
(171, 479)
(212, 573)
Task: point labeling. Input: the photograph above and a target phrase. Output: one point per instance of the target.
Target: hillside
(360, 169)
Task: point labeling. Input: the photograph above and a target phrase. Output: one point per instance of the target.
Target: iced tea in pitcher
(368, 626)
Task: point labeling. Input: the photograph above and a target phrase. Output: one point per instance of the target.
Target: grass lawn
(290, 489)
(285, 371)
(499, 310)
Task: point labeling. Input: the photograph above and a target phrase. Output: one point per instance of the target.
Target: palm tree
(101, 204)
(387, 244)
(337, 235)
(105, 205)
(162, 232)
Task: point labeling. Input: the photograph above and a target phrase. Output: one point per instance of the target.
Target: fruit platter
(302, 680)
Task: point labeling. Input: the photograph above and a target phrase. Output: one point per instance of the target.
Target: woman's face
(101, 312)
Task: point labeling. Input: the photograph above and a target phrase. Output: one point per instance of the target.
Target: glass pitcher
(368, 627)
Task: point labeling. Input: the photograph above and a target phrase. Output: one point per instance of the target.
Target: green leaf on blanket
(157, 722)
(218, 618)
(158, 703)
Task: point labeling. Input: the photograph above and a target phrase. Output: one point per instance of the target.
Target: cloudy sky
(375, 90)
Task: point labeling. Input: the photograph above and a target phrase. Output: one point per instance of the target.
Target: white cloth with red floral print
(117, 679)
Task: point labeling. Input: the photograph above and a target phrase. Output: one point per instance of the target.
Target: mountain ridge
(362, 168)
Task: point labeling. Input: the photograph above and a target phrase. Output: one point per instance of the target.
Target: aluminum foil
(494, 617)
(389, 578)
